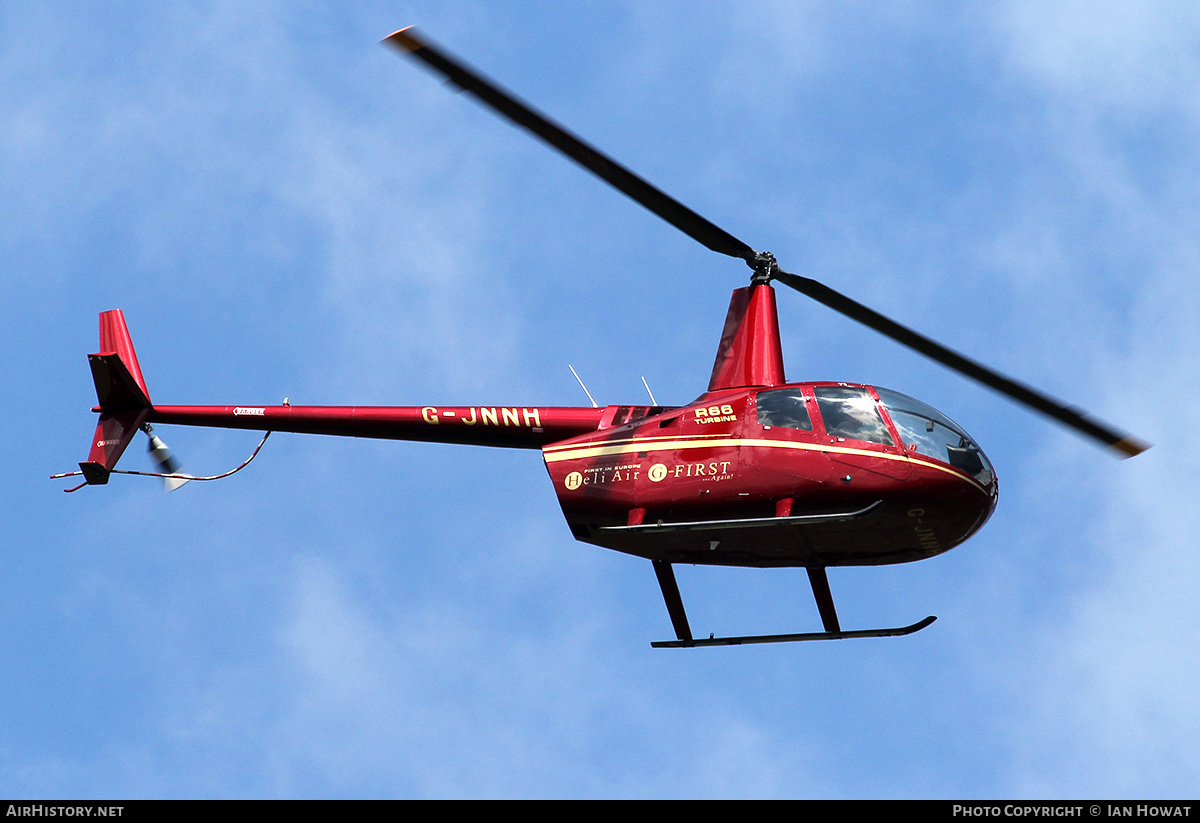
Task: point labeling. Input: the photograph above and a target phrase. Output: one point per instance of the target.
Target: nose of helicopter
(926, 431)
(934, 434)
(958, 488)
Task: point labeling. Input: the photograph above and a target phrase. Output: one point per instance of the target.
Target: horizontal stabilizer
(116, 387)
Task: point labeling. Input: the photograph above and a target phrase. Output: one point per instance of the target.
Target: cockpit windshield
(935, 435)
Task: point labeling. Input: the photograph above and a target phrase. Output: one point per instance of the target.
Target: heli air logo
(716, 470)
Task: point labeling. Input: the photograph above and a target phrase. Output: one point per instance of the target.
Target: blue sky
(283, 208)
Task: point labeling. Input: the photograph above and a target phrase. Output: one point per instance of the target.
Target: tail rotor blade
(165, 462)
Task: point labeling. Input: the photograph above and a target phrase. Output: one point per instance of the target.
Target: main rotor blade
(715, 238)
(504, 103)
(1122, 443)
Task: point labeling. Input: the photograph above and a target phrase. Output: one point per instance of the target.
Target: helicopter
(756, 472)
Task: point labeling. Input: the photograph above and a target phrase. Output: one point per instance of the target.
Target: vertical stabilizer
(114, 338)
(750, 353)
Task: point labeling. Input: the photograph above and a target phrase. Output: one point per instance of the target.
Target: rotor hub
(765, 268)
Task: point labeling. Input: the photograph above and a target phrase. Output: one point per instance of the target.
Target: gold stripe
(630, 446)
(676, 438)
(929, 463)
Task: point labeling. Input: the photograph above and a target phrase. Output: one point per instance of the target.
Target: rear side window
(850, 412)
(785, 408)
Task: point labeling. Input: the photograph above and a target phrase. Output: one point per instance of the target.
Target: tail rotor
(167, 464)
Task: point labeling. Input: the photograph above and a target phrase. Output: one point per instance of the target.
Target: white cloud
(1129, 57)
(1111, 707)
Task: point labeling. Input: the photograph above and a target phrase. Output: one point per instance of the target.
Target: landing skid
(792, 638)
(820, 587)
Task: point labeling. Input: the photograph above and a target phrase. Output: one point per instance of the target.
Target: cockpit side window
(850, 412)
(785, 408)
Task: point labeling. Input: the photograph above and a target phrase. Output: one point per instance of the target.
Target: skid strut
(820, 587)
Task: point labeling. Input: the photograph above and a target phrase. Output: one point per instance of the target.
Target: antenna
(653, 402)
(595, 405)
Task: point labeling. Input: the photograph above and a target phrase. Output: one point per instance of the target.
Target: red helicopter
(755, 472)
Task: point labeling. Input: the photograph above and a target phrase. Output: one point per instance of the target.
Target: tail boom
(518, 427)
